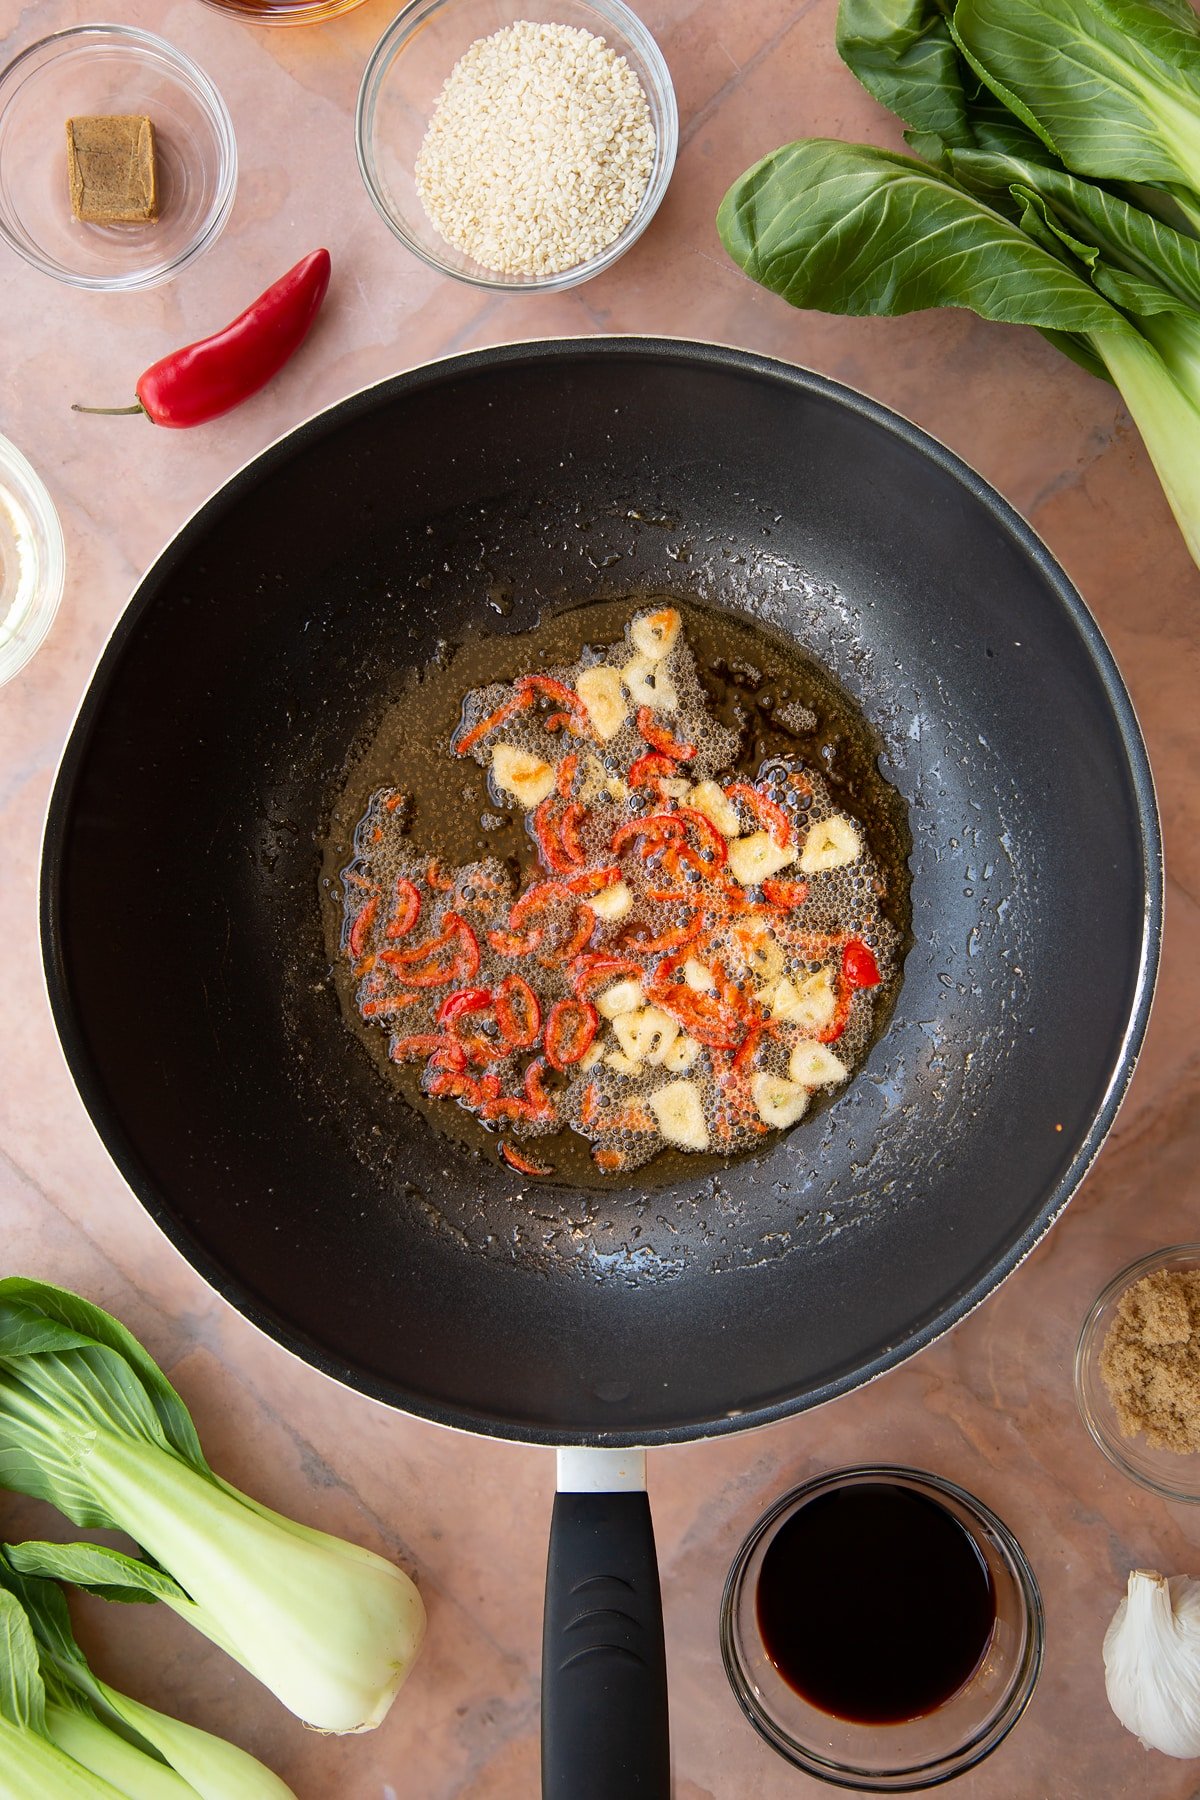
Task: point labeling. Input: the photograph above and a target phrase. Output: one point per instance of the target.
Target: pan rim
(88, 1079)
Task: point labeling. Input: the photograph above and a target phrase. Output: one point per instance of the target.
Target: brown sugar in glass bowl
(1137, 1371)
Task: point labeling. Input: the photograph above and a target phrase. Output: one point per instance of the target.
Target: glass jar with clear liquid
(32, 561)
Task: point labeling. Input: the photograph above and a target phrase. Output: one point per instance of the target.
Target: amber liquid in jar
(874, 1604)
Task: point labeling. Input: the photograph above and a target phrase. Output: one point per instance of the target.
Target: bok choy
(89, 1422)
(1007, 103)
(58, 1720)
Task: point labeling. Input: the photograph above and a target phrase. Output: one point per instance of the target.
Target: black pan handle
(605, 1734)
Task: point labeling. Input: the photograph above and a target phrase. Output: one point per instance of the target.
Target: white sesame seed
(538, 152)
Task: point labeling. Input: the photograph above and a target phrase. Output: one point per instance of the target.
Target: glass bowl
(917, 1753)
(32, 561)
(400, 88)
(1165, 1472)
(112, 69)
(284, 12)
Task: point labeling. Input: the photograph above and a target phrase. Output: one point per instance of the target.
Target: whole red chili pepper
(208, 378)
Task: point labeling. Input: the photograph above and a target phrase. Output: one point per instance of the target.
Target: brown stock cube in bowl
(112, 169)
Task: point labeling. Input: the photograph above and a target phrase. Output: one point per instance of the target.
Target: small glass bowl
(1165, 1472)
(112, 69)
(400, 89)
(32, 561)
(919, 1753)
(284, 12)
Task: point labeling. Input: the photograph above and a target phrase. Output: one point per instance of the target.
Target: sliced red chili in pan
(518, 1012)
(660, 739)
(788, 894)
(573, 816)
(648, 769)
(364, 918)
(549, 843)
(417, 1048)
(766, 811)
(380, 1009)
(859, 968)
(593, 880)
(466, 1000)
(535, 1093)
(570, 1031)
(408, 908)
(593, 971)
(521, 703)
(575, 713)
(525, 1165)
(463, 964)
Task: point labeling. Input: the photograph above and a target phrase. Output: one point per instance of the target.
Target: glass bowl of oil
(882, 1629)
(32, 561)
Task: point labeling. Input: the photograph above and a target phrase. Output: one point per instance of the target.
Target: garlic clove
(653, 634)
(649, 684)
(527, 778)
(612, 903)
(1152, 1662)
(622, 997)
(601, 692)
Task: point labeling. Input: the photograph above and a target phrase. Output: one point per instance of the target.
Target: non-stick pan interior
(183, 936)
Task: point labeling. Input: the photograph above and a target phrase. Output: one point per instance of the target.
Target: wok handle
(605, 1734)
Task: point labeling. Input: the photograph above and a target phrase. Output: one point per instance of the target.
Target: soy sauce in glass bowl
(882, 1629)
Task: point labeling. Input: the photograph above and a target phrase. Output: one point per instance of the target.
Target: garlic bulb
(1152, 1662)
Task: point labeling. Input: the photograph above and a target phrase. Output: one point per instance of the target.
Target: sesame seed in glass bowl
(517, 150)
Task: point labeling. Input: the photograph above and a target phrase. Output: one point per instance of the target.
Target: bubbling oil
(706, 1059)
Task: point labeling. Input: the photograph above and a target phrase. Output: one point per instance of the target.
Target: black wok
(190, 982)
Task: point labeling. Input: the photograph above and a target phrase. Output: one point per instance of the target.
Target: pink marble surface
(990, 1406)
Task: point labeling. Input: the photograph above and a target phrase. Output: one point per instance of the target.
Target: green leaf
(904, 54)
(1111, 86)
(1126, 236)
(88, 1422)
(22, 1692)
(43, 1307)
(63, 1666)
(97, 1570)
(849, 229)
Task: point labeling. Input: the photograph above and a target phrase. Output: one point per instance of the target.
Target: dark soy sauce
(875, 1604)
